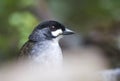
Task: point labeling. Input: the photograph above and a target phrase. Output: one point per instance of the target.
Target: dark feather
(27, 47)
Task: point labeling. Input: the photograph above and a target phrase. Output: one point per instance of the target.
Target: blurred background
(96, 22)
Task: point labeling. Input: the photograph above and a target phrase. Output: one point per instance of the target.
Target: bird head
(49, 30)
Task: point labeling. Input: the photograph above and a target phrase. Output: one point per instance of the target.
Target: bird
(43, 43)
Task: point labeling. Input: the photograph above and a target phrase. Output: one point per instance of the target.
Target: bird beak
(67, 32)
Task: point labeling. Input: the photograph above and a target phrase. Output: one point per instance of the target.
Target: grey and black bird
(43, 44)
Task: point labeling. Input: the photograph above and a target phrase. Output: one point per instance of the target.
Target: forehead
(51, 23)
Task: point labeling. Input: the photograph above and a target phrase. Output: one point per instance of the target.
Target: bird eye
(53, 28)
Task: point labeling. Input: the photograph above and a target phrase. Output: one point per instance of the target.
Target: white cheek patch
(57, 32)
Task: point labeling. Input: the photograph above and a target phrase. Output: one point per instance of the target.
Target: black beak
(67, 32)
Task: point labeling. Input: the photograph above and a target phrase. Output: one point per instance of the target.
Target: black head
(49, 30)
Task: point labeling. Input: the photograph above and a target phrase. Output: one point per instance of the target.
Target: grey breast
(46, 52)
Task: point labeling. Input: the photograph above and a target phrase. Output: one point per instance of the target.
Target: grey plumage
(43, 44)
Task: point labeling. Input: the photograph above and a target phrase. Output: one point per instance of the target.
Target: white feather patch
(57, 32)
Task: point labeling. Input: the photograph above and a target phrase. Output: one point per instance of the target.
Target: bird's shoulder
(26, 48)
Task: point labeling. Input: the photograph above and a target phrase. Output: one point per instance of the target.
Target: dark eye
(53, 28)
